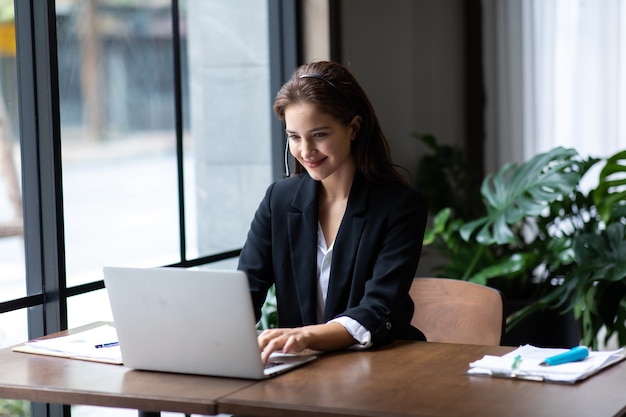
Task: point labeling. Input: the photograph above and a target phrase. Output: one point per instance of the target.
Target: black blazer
(375, 256)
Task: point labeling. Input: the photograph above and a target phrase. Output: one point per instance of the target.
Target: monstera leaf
(610, 194)
(520, 191)
(597, 288)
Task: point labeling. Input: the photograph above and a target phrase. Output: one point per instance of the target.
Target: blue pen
(106, 345)
(577, 353)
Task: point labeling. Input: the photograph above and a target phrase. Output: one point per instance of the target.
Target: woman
(341, 238)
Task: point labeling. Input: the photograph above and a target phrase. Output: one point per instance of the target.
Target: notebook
(189, 321)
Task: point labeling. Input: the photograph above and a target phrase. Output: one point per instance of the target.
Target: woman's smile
(314, 163)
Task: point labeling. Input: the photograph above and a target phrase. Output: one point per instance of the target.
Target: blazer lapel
(345, 249)
(302, 234)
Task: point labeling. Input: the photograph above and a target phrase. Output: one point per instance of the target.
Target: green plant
(543, 237)
(596, 284)
(14, 408)
(269, 313)
(446, 177)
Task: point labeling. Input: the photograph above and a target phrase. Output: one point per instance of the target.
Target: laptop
(189, 321)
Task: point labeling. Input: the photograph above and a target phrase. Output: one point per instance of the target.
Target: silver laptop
(189, 321)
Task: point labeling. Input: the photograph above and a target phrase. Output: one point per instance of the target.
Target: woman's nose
(306, 148)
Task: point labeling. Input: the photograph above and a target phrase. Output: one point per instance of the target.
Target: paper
(79, 346)
(527, 366)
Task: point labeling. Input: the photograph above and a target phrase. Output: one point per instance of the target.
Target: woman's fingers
(287, 340)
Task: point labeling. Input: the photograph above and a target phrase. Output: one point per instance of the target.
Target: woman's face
(319, 141)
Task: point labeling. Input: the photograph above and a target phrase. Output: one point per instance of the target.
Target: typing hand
(317, 337)
(287, 340)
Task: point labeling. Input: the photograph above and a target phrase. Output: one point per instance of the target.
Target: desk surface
(406, 379)
(422, 379)
(67, 381)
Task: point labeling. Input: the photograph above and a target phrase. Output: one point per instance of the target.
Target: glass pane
(89, 411)
(88, 308)
(230, 113)
(13, 328)
(13, 325)
(118, 135)
(12, 265)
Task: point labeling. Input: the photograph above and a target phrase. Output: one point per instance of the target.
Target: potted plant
(541, 237)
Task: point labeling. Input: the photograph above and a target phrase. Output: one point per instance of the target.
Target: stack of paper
(99, 344)
(523, 363)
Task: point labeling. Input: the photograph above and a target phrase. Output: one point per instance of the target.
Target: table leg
(148, 413)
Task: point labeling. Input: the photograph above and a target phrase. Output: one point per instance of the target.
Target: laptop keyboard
(273, 363)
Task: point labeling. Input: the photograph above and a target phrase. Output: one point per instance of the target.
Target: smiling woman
(341, 238)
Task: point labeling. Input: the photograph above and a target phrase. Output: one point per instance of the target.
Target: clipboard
(524, 364)
(95, 345)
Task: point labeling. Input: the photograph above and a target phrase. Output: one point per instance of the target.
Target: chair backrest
(455, 311)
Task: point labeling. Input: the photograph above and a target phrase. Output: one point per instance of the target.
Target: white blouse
(324, 260)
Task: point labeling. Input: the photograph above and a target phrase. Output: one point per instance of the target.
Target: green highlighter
(577, 353)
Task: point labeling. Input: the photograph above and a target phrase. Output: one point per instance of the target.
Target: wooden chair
(455, 311)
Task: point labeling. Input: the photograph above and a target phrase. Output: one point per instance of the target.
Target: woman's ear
(355, 124)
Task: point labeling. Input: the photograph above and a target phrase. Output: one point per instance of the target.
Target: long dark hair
(332, 88)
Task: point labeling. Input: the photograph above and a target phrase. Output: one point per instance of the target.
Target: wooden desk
(68, 381)
(422, 379)
(406, 379)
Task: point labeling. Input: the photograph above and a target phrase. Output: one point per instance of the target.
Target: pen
(516, 362)
(106, 345)
(577, 353)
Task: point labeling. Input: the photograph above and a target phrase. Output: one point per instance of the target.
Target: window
(13, 278)
(13, 324)
(118, 141)
(555, 77)
(147, 139)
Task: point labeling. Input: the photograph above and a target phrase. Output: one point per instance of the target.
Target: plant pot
(544, 328)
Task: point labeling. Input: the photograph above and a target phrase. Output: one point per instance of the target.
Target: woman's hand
(320, 337)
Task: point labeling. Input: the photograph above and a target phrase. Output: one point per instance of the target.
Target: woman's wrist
(328, 336)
